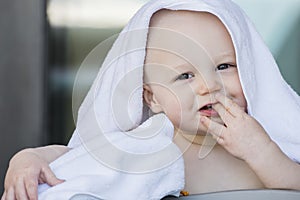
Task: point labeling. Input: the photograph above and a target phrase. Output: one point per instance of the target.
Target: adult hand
(241, 135)
(26, 170)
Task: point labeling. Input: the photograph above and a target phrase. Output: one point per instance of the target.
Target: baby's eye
(224, 66)
(186, 75)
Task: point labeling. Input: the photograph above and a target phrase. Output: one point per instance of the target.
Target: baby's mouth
(207, 110)
(206, 107)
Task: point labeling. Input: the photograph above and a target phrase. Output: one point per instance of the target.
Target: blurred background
(43, 44)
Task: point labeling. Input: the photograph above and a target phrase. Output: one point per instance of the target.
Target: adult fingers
(229, 105)
(20, 192)
(10, 195)
(31, 188)
(49, 177)
(3, 196)
(215, 129)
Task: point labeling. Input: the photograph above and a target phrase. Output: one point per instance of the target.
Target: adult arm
(28, 168)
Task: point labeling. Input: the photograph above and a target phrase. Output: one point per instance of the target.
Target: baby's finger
(214, 128)
(229, 105)
(49, 177)
(31, 188)
(225, 115)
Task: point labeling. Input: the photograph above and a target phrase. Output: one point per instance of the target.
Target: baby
(184, 88)
(191, 74)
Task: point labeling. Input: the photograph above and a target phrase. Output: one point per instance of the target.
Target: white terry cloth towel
(139, 165)
(114, 106)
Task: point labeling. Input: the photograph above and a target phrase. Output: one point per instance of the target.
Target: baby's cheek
(238, 95)
(173, 112)
(174, 106)
(241, 101)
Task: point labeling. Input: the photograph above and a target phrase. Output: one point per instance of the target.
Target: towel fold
(103, 120)
(136, 166)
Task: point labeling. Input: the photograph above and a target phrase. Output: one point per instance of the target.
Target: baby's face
(190, 57)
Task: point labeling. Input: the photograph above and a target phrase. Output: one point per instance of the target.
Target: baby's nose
(208, 85)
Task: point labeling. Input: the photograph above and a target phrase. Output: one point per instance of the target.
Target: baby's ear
(150, 99)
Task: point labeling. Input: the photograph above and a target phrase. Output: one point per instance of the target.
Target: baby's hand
(26, 170)
(241, 135)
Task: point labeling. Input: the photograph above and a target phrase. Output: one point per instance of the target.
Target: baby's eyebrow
(229, 55)
(183, 65)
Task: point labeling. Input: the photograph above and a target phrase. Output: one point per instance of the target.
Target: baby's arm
(245, 138)
(275, 169)
(28, 168)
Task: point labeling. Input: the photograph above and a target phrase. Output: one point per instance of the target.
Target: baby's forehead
(186, 35)
(162, 18)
